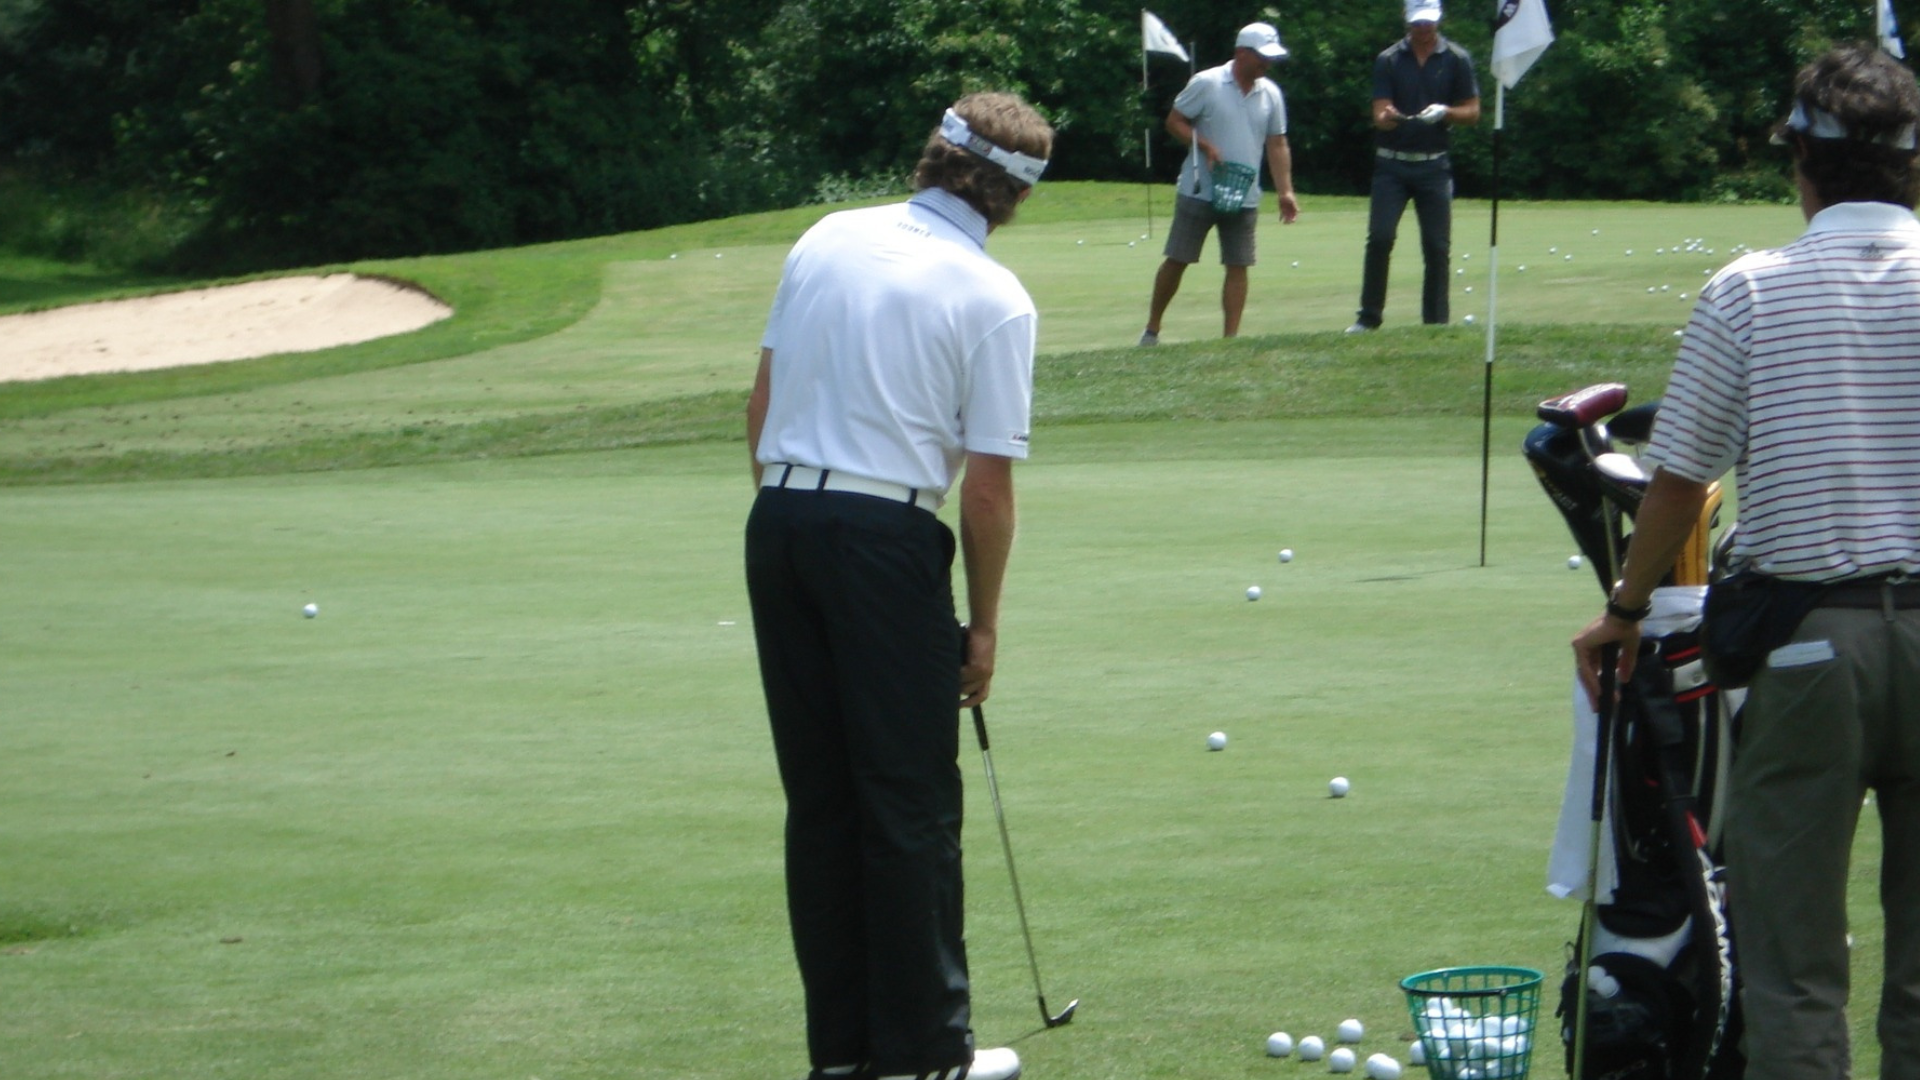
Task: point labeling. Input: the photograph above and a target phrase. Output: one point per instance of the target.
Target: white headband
(1819, 124)
(1020, 166)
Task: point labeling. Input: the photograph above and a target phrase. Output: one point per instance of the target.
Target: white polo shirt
(898, 346)
(1801, 369)
(1237, 124)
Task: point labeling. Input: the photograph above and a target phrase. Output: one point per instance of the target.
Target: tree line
(246, 134)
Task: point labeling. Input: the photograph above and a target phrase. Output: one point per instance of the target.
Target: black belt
(1892, 592)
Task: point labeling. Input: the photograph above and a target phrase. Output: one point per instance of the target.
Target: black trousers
(1429, 184)
(860, 654)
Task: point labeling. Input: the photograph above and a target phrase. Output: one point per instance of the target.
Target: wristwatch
(1626, 614)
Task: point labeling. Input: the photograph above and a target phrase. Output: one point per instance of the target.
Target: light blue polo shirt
(1237, 124)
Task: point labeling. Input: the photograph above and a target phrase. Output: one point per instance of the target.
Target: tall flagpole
(1493, 316)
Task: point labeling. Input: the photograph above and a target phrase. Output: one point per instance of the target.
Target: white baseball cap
(1262, 39)
(1423, 11)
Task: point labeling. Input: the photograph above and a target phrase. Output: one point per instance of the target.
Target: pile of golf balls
(1481, 1047)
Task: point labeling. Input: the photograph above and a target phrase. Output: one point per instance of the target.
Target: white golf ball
(1469, 288)
(1596, 232)
(675, 255)
(1522, 268)
(719, 255)
(1253, 592)
(1573, 562)
(1296, 266)
(1286, 554)
(1340, 1061)
(1217, 741)
(1079, 243)
(1338, 788)
(310, 610)
(1383, 1067)
(1417, 1052)
(1351, 1030)
(1469, 318)
(1311, 1048)
(1279, 1044)
(1553, 251)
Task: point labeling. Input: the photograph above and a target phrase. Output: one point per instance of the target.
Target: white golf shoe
(999, 1063)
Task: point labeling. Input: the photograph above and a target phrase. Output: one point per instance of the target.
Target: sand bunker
(204, 326)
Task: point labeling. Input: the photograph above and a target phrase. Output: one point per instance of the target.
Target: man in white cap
(1422, 86)
(1231, 113)
(898, 354)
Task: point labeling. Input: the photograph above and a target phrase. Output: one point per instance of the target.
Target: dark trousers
(1816, 735)
(853, 613)
(1429, 184)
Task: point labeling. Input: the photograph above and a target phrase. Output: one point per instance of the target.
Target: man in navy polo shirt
(897, 358)
(1422, 86)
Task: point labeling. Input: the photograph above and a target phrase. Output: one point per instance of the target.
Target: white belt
(804, 478)
(1408, 155)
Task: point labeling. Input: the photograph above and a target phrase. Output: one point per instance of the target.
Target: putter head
(1065, 1017)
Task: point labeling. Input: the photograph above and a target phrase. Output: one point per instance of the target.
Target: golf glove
(1432, 114)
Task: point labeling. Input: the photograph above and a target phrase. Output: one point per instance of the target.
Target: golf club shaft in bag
(1590, 911)
(1019, 903)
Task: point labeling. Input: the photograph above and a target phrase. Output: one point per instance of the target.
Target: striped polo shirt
(1801, 369)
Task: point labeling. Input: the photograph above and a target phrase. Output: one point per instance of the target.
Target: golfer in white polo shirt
(898, 357)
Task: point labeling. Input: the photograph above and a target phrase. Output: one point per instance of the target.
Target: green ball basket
(1475, 1023)
(1231, 182)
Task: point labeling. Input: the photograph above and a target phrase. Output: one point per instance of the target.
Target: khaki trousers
(1825, 723)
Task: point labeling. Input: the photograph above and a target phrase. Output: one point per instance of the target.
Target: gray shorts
(1192, 218)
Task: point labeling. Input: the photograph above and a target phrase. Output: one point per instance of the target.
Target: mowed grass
(507, 808)
(652, 338)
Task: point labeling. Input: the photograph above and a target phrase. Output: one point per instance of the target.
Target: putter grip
(980, 727)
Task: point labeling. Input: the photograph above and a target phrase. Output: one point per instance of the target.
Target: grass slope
(651, 338)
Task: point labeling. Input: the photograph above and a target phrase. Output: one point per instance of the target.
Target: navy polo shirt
(1446, 79)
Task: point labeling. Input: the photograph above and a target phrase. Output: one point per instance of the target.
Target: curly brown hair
(1876, 99)
(1002, 119)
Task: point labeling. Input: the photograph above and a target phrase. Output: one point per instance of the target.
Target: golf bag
(1660, 987)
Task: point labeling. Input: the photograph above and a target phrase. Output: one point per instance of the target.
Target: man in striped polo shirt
(1801, 371)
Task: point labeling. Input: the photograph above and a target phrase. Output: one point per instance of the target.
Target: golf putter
(1019, 904)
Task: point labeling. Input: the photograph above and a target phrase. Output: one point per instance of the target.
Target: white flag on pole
(1156, 38)
(1521, 33)
(1890, 32)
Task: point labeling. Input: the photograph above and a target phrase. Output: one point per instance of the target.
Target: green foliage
(452, 125)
